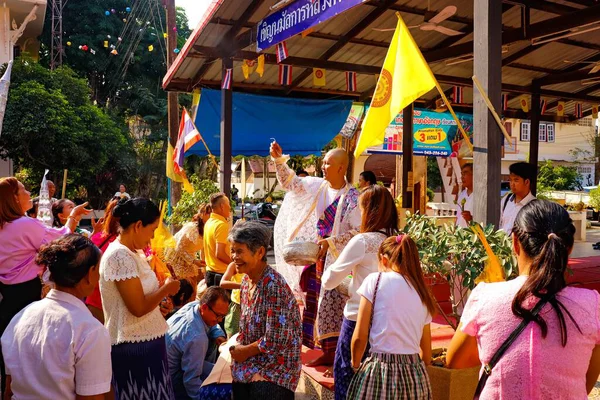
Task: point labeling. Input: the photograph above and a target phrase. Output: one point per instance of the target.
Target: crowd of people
(85, 315)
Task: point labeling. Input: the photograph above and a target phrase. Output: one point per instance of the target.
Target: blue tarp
(300, 126)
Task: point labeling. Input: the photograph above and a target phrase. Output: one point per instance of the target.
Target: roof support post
(534, 143)
(226, 131)
(407, 156)
(487, 137)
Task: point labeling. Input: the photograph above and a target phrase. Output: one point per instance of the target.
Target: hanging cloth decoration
(560, 109)
(504, 102)
(282, 52)
(285, 74)
(524, 103)
(319, 77)
(260, 68)
(351, 81)
(226, 84)
(543, 105)
(248, 67)
(578, 110)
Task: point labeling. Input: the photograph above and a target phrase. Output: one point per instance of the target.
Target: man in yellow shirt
(216, 246)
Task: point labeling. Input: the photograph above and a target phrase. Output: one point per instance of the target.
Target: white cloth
(399, 315)
(119, 263)
(121, 195)
(460, 221)
(359, 257)
(509, 214)
(55, 349)
(306, 200)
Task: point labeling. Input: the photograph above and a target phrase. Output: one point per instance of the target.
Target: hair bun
(122, 208)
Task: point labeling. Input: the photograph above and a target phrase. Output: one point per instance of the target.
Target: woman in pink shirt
(21, 238)
(557, 355)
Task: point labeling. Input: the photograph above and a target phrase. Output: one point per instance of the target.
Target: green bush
(189, 203)
(430, 194)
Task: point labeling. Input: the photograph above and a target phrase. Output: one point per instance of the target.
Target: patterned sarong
(391, 376)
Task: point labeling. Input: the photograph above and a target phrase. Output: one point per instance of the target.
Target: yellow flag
(524, 103)
(187, 186)
(170, 171)
(248, 67)
(560, 108)
(405, 77)
(195, 103)
(318, 77)
(595, 112)
(307, 32)
(260, 68)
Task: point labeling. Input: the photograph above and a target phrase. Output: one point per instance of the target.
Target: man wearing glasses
(192, 338)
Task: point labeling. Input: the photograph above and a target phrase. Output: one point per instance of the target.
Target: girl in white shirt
(130, 297)
(394, 317)
(359, 258)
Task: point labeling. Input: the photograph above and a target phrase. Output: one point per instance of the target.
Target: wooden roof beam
(587, 90)
(568, 76)
(540, 29)
(228, 39)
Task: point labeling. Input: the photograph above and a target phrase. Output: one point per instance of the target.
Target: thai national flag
(282, 52)
(285, 74)
(226, 84)
(579, 110)
(351, 81)
(188, 137)
(542, 107)
(457, 93)
(504, 102)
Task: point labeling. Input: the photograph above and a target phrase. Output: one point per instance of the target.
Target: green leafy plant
(189, 203)
(457, 254)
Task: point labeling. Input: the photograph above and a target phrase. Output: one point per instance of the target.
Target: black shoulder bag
(487, 369)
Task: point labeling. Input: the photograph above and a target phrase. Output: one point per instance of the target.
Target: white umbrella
(4, 85)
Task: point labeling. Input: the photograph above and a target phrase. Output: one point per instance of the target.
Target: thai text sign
(434, 134)
(296, 18)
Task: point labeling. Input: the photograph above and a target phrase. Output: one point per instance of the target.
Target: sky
(194, 9)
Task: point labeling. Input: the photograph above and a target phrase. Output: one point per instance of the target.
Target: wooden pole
(407, 157)
(458, 124)
(226, 131)
(492, 110)
(172, 97)
(64, 185)
(487, 138)
(534, 130)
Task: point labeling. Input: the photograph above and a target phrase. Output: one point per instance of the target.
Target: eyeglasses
(220, 317)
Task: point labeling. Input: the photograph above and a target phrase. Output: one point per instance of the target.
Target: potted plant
(456, 255)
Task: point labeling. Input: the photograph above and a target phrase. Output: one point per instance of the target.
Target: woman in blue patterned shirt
(267, 360)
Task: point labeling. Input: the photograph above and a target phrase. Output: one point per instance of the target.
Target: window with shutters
(542, 133)
(550, 133)
(525, 131)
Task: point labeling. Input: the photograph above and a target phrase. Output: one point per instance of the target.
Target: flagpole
(447, 103)
(492, 110)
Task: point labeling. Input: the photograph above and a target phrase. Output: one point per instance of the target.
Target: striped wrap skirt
(391, 376)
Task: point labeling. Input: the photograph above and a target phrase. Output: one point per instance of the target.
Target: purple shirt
(21, 239)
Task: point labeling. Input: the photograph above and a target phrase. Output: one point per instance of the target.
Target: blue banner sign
(296, 18)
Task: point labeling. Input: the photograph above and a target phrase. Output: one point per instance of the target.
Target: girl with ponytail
(556, 355)
(394, 316)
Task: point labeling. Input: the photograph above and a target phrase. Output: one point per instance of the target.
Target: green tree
(558, 177)
(51, 123)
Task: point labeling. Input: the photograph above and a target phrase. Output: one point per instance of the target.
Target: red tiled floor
(586, 273)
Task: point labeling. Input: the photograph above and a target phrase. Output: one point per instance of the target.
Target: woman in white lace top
(130, 298)
(359, 258)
